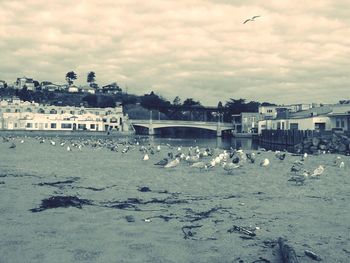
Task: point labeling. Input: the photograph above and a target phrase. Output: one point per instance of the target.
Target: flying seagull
(250, 19)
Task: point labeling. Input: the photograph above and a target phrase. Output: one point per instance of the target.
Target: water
(203, 142)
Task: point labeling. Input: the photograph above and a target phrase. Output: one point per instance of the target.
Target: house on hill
(20, 83)
(112, 88)
(88, 89)
(3, 84)
(73, 89)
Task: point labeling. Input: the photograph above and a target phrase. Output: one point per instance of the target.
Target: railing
(290, 137)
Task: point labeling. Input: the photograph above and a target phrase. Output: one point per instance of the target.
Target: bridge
(158, 124)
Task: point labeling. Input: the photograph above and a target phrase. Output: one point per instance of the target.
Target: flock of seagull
(203, 159)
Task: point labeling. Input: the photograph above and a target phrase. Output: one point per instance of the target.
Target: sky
(295, 52)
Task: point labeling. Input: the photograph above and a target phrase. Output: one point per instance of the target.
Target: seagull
(265, 162)
(162, 162)
(318, 171)
(173, 163)
(146, 157)
(250, 19)
(12, 146)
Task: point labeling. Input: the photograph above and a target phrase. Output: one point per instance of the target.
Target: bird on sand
(200, 165)
(146, 157)
(318, 171)
(251, 157)
(280, 155)
(173, 163)
(12, 146)
(162, 162)
(230, 167)
(265, 162)
(250, 19)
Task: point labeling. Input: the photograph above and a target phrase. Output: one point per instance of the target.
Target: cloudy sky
(296, 51)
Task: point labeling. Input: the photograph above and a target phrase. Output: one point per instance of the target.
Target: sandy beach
(130, 210)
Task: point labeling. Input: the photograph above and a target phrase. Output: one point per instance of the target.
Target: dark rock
(144, 189)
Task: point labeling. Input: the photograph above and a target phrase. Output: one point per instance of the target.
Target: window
(8, 110)
(294, 126)
(35, 125)
(28, 110)
(66, 126)
(81, 126)
(92, 126)
(41, 111)
(53, 111)
(72, 112)
(17, 110)
(337, 123)
(16, 125)
(29, 125)
(53, 125)
(282, 125)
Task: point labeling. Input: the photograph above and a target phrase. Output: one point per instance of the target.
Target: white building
(19, 115)
(325, 118)
(73, 89)
(24, 82)
(271, 112)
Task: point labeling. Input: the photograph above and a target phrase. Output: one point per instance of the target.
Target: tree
(70, 77)
(190, 103)
(177, 101)
(91, 78)
(91, 100)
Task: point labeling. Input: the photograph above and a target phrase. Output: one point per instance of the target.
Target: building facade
(19, 115)
(246, 122)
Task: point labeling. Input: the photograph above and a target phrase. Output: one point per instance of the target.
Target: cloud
(191, 48)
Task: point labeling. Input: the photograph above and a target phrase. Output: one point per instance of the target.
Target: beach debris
(242, 230)
(61, 201)
(312, 255)
(187, 230)
(287, 252)
(22, 141)
(196, 216)
(130, 218)
(265, 162)
(341, 165)
(147, 220)
(60, 184)
(69, 149)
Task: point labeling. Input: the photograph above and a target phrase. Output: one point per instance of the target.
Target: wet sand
(186, 216)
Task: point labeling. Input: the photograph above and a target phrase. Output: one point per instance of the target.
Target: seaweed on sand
(61, 201)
